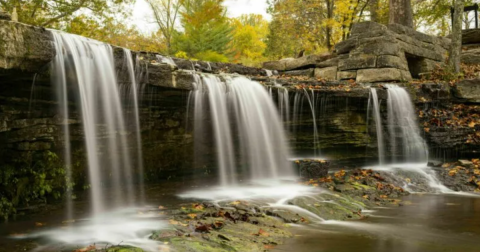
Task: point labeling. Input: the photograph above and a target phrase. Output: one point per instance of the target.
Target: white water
(239, 105)
(403, 126)
(134, 89)
(298, 102)
(87, 66)
(378, 124)
(59, 79)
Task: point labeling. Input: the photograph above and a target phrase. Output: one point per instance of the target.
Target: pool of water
(426, 223)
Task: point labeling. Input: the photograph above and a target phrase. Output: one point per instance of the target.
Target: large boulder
(312, 169)
(382, 74)
(471, 57)
(468, 90)
(327, 73)
(471, 36)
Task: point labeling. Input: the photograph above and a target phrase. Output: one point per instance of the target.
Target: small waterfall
(403, 126)
(373, 98)
(283, 103)
(88, 66)
(403, 129)
(134, 87)
(60, 81)
(298, 102)
(239, 105)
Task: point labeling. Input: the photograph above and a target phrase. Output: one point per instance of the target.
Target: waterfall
(59, 80)
(378, 124)
(134, 96)
(403, 126)
(88, 66)
(298, 102)
(403, 129)
(239, 105)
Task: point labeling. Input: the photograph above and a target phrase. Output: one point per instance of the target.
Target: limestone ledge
(25, 50)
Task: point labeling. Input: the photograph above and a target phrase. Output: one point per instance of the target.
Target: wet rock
(466, 163)
(434, 163)
(312, 168)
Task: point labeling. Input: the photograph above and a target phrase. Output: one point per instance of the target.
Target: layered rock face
(374, 53)
(471, 46)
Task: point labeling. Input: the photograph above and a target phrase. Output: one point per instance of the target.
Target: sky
(143, 16)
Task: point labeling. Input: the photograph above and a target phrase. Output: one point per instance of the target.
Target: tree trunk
(456, 46)
(373, 6)
(401, 13)
(329, 28)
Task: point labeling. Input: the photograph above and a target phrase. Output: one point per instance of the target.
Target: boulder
(385, 61)
(308, 61)
(468, 90)
(357, 61)
(328, 63)
(278, 65)
(381, 74)
(24, 47)
(345, 46)
(327, 73)
(385, 45)
(471, 36)
(312, 169)
(471, 57)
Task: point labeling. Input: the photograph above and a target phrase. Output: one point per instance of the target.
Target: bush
(31, 179)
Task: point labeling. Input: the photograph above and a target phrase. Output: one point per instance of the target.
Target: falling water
(284, 103)
(403, 127)
(311, 100)
(378, 124)
(60, 81)
(241, 105)
(90, 65)
(135, 97)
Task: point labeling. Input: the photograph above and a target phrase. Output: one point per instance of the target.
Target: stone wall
(373, 53)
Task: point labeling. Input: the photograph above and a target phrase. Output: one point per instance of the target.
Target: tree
(401, 13)
(166, 13)
(249, 34)
(456, 46)
(52, 12)
(206, 28)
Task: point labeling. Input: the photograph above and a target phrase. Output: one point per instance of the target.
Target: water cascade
(244, 106)
(90, 66)
(298, 102)
(373, 99)
(403, 126)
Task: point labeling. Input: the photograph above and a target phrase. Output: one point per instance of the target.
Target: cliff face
(31, 127)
